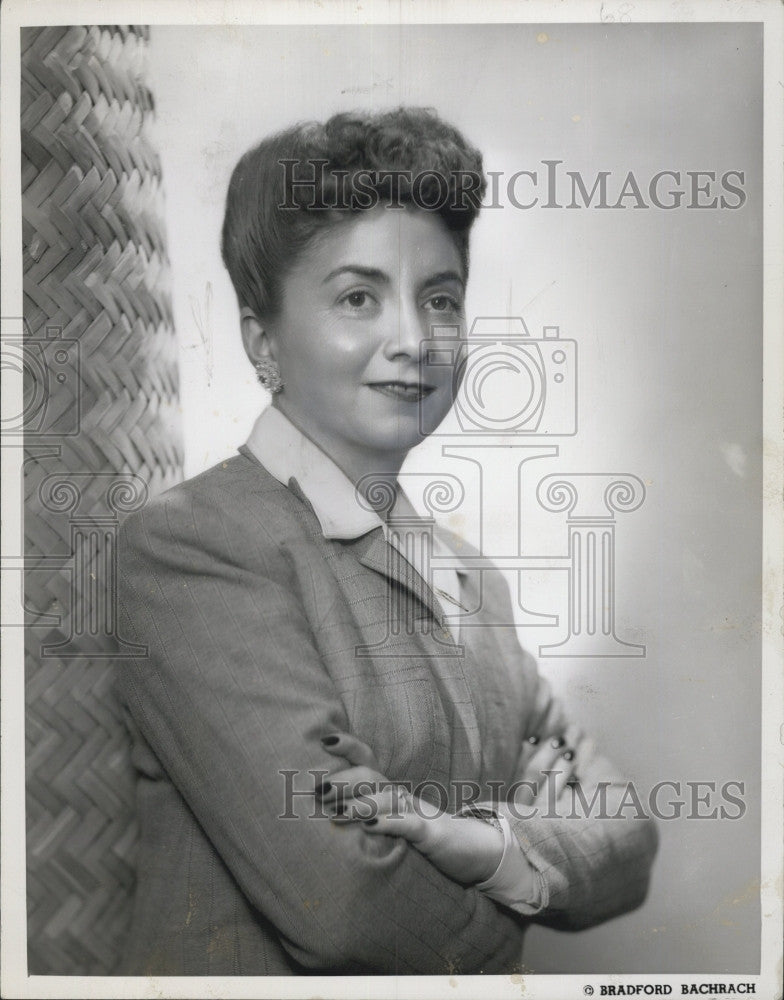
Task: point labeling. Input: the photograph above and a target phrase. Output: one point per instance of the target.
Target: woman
(299, 658)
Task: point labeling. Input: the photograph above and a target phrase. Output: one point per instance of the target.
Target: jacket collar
(288, 454)
(300, 465)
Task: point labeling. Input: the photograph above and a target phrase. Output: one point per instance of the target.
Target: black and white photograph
(392, 499)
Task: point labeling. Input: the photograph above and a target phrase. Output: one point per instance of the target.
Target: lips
(409, 392)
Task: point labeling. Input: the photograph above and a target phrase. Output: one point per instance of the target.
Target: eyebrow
(365, 272)
(375, 274)
(442, 276)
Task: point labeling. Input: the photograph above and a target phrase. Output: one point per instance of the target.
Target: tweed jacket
(261, 637)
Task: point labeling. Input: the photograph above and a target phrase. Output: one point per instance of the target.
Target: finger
(585, 749)
(536, 744)
(563, 762)
(346, 745)
(560, 780)
(528, 748)
(553, 757)
(571, 736)
(532, 750)
(391, 804)
(548, 756)
(528, 786)
(554, 784)
(349, 782)
(366, 803)
(408, 827)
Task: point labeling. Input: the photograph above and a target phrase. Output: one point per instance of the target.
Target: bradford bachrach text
(691, 989)
(308, 184)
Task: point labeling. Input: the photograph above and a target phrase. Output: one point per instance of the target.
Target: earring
(268, 373)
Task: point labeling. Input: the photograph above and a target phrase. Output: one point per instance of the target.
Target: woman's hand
(548, 767)
(465, 848)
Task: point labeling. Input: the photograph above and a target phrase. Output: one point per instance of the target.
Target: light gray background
(666, 308)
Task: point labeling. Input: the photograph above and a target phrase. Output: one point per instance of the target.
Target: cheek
(322, 369)
(349, 341)
(443, 377)
(347, 357)
(303, 351)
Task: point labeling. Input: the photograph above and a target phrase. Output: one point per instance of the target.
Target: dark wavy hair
(401, 157)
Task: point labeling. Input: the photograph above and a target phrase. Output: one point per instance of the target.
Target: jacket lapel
(375, 553)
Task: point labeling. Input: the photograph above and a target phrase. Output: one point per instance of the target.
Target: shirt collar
(287, 453)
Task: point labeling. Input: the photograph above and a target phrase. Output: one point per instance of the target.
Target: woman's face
(351, 337)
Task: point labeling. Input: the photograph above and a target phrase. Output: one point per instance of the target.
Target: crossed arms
(234, 691)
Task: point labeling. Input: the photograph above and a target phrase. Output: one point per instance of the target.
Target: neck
(372, 472)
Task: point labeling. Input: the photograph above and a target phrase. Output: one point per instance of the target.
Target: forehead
(403, 242)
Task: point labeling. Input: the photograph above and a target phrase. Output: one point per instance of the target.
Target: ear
(258, 343)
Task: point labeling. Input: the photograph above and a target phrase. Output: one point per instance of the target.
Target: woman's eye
(443, 303)
(356, 299)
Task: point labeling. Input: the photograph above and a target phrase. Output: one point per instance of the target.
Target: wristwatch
(483, 813)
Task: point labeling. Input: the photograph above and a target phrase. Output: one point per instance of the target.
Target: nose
(406, 334)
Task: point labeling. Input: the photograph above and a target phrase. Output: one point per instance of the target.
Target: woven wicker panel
(101, 432)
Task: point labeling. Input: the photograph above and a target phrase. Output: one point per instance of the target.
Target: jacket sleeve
(234, 699)
(593, 862)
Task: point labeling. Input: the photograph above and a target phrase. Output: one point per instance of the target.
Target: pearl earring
(268, 373)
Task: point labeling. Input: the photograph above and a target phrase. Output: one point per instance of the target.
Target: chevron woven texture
(101, 433)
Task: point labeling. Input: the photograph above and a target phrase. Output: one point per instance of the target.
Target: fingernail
(370, 822)
(324, 788)
(557, 742)
(330, 741)
(568, 755)
(533, 740)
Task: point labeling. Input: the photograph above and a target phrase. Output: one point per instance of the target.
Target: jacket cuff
(511, 882)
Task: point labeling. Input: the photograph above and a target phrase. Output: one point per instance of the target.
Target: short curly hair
(288, 188)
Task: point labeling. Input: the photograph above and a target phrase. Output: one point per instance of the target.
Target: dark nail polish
(568, 755)
(370, 822)
(573, 782)
(330, 741)
(324, 788)
(533, 740)
(557, 742)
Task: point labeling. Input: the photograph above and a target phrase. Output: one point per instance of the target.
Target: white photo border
(13, 948)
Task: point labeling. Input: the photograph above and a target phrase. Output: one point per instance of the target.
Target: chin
(395, 439)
